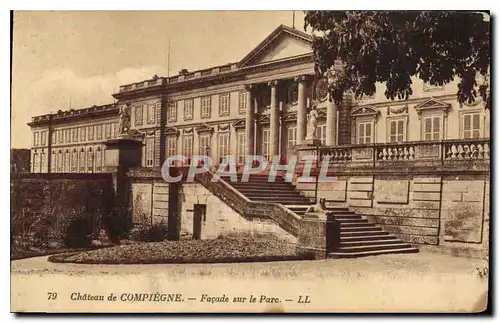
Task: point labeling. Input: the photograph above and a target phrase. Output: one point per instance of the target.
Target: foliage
(78, 231)
(150, 233)
(392, 46)
(118, 224)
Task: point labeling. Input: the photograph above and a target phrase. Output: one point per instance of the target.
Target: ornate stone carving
(238, 124)
(223, 127)
(273, 83)
(397, 110)
(321, 89)
(432, 104)
(249, 87)
(293, 93)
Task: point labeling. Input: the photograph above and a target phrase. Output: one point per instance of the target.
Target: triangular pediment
(283, 43)
(432, 104)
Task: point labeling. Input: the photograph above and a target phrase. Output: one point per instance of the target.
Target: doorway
(200, 211)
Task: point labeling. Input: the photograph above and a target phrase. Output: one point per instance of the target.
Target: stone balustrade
(434, 151)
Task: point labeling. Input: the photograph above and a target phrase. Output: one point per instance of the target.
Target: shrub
(150, 233)
(78, 232)
(118, 224)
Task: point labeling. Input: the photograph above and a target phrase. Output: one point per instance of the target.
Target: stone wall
(220, 219)
(46, 199)
(447, 213)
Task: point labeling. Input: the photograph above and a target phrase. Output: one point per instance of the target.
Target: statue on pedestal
(124, 120)
(312, 124)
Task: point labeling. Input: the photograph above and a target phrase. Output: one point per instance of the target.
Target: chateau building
(258, 105)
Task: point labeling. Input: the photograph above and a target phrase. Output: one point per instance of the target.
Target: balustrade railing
(445, 150)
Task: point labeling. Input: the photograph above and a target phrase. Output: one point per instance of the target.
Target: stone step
(374, 247)
(371, 253)
(267, 186)
(282, 201)
(360, 225)
(361, 233)
(358, 229)
(353, 220)
(347, 217)
(278, 199)
(366, 237)
(280, 194)
(388, 241)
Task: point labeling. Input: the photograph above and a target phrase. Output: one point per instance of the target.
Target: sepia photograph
(250, 161)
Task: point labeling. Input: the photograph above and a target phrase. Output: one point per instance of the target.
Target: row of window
(150, 114)
(76, 161)
(206, 107)
(223, 144)
(79, 134)
(432, 128)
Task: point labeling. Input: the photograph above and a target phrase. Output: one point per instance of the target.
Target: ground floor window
(90, 161)
(187, 149)
(471, 125)
(241, 147)
(266, 143)
(204, 144)
(397, 130)
(432, 128)
(222, 146)
(321, 133)
(150, 146)
(98, 160)
(82, 161)
(364, 133)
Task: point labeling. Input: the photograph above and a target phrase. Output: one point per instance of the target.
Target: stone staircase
(358, 237)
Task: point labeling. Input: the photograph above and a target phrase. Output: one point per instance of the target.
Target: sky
(78, 59)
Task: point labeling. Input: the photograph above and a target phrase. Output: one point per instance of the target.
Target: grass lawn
(188, 251)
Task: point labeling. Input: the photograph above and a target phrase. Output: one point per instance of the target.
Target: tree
(391, 47)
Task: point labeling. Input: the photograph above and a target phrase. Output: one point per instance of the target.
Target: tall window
(432, 128)
(138, 115)
(82, 134)
(91, 132)
(74, 134)
(471, 128)
(187, 148)
(98, 160)
(53, 137)
(321, 133)
(36, 140)
(44, 138)
(204, 143)
(107, 130)
(150, 151)
(59, 162)
(171, 146)
(53, 166)
(224, 100)
(98, 132)
(243, 102)
(67, 156)
(35, 163)
(82, 161)
(397, 130)
(266, 143)
(151, 113)
(172, 111)
(188, 109)
(60, 136)
(241, 146)
(90, 161)
(206, 106)
(66, 135)
(364, 132)
(43, 161)
(74, 161)
(222, 145)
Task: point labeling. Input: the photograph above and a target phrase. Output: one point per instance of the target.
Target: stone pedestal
(120, 155)
(318, 234)
(311, 142)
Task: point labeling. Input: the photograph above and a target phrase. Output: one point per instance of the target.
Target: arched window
(90, 161)
(98, 160)
(82, 161)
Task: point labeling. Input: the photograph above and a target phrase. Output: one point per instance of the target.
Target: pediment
(432, 104)
(365, 111)
(172, 131)
(283, 43)
(240, 123)
(204, 128)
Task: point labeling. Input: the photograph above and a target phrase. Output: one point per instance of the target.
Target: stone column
(331, 123)
(249, 122)
(301, 108)
(274, 121)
